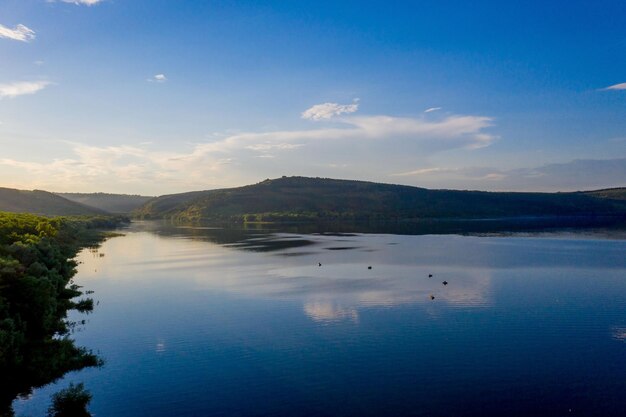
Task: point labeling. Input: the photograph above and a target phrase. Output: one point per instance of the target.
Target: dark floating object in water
(430, 275)
(319, 263)
(445, 283)
(432, 297)
(369, 267)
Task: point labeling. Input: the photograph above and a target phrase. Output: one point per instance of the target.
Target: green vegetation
(167, 205)
(42, 202)
(70, 402)
(317, 199)
(36, 292)
(111, 203)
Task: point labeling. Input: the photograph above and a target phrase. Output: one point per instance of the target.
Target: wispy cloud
(269, 146)
(621, 86)
(363, 143)
(421, 171)
(432, 109)
(159, 78)
(476, 174)
(79, 2)
(329, 110)
(19, 33)
(21, 88)
(575, 175)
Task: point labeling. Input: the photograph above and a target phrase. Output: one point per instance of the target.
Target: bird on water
(445, 283)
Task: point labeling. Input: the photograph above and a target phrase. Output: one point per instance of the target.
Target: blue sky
(156, 96)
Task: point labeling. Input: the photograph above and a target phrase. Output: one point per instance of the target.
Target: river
(201, 321)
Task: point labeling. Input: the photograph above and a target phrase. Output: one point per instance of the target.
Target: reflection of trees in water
(70, 402)
(42, 362)
(265, 237)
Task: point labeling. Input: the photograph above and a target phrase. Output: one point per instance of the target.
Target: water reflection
(269, 237)
(287, 265)
(247, 322)
(160, 346)
(328, 272)
(619, 333)
(324, 311)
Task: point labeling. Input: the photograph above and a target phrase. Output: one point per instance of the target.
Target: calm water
(210, 322)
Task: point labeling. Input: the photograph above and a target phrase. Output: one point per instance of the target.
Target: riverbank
(36, 292)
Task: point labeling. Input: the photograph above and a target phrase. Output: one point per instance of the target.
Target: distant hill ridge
(112, 203)
(301, 198)
(42, 202)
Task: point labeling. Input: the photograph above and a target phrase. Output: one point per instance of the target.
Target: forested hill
(112, 203)
(300, 198)
(42, 202)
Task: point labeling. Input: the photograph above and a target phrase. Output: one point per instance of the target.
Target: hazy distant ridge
(113, 203)
(298, 198)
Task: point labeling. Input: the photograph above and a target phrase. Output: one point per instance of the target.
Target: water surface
(200, 321)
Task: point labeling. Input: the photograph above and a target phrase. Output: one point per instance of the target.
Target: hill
(609, 193)
(167, 205)
(112, 203)
(300, 198)
(42, 202)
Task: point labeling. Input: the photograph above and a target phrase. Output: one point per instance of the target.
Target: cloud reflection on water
(326, 310)
(619, 333)
(285, 266)
(219, 260)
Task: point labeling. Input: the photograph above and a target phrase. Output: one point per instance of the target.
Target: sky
(156, 97)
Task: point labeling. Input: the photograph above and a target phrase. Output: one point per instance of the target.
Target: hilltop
(112, 203)
(42, 202)
(302, 198)
(609, 193)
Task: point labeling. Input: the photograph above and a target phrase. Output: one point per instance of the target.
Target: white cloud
(422, 171)
(159, 78)
(329, 110)
(268, 146)
(22, 88)
(363, 144)
(19, 33)
(432, 109)
(79, 2)
(621, 86)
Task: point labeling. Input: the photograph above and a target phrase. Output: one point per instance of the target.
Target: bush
(70, 402)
